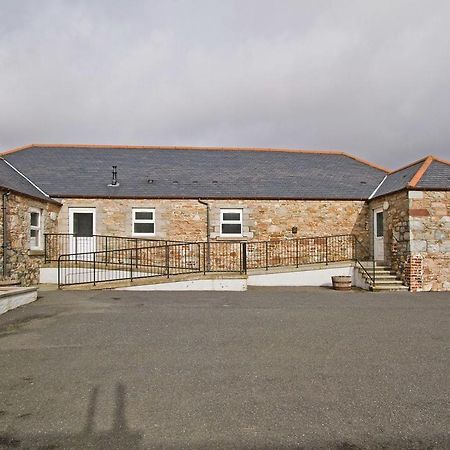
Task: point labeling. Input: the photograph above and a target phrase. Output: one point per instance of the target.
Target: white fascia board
(26, 178)
(377, 188)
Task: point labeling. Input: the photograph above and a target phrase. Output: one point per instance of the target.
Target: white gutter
(26, 178)
(377, 188)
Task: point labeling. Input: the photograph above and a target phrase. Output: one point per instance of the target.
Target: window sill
(36, 252)
(231, 238)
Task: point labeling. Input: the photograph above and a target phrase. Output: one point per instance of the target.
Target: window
(143, 221)
(231, 222)
(35, 229)
(379, 222)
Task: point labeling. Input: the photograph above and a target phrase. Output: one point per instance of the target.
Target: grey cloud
(368, 77)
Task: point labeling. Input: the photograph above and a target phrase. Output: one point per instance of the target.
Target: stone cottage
(223, 194)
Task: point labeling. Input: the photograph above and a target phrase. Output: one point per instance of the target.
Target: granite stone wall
(417, 237)
(429, 213)
(185, 220)
(396, 229)
(23, 264)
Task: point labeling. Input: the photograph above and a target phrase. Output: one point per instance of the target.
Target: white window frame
(231, 222)
(134, 220)
(39, 229)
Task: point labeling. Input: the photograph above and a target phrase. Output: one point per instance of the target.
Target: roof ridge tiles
(408, 165)
(420, 172)
(199, 148)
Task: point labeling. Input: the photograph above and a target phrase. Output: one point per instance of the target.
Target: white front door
(82, 230)
(378, 234)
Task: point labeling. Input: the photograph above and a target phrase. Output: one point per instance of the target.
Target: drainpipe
(5, 233)
(207, 233)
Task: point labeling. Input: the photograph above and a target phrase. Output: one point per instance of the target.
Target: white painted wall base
(48, 275)
(312, 277)
(13, 297)
(316, 277)
(358, 280)
(231, 284)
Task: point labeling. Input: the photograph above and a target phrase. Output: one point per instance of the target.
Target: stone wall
(430, 237)
(23, 264)
(262, 219)
(396, 228)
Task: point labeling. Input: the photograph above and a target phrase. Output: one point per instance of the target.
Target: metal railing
(128, 263)
(362, 254)
(56, 244)
(297, 252)
(139, 258)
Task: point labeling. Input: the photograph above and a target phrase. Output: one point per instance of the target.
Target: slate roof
(398, 180)
(11, 180)
(428, 173)
(437, 176)
(85, 171)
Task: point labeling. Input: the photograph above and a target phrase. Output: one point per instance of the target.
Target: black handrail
(358, 260)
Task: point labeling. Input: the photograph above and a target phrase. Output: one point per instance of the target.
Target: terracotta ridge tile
(419, 174)
(408, 165)
(212, 148)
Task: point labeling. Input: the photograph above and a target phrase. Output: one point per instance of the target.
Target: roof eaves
(35, 197)
(195, 197)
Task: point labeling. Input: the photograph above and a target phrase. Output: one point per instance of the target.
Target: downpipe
(208, 236)
(5, 233)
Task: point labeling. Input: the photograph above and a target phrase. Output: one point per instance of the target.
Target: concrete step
(385, 279)
(382, 276)
(390, 281)
(378, 269)
(389, 287)
(7, 282)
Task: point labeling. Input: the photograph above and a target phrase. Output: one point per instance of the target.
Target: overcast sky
(371, 77)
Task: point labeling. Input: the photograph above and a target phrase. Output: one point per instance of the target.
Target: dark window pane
(144, 227)
(35, 219)
(83, 224)
(141, 215)
(231, 216)
(379, 221)
(231, 228)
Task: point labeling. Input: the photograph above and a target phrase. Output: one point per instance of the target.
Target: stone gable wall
(22, 263)
(430, 237)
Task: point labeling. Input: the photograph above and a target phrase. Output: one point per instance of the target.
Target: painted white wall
(232, 284)
(359, 280)
(48, 275)
(316, 277)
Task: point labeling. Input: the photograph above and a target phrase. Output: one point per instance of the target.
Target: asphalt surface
(270, 368)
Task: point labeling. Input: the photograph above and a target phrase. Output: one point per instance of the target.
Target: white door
(82, 230)
(378, 234)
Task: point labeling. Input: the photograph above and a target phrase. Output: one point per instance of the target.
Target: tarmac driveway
(262, 369)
